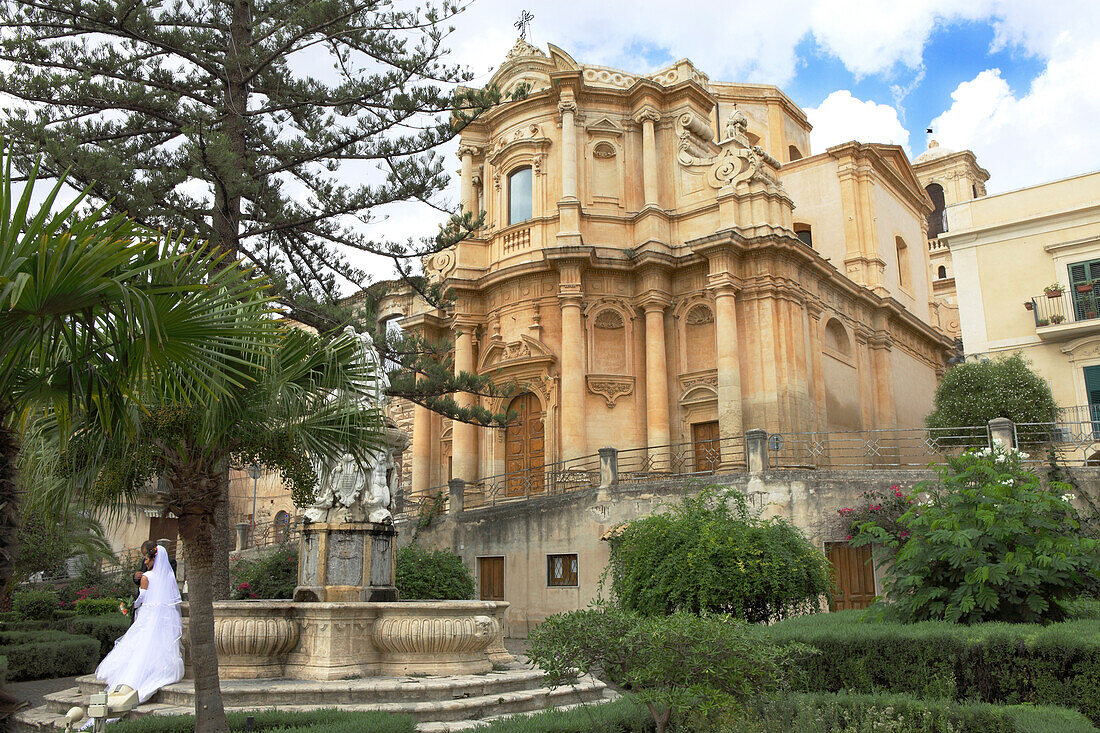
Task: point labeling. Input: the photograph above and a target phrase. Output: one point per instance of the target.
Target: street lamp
(254, 472)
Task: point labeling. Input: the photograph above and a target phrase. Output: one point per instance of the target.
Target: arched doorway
(282, 526)
(524, 447)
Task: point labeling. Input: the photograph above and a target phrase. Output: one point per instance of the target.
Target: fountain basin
(328, 641)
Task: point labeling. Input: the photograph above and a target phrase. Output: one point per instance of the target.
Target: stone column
(648, 117)
(609, 467)
(457, 490)
(421, 448)
(568, 110)
(729, 366)
(242, 536)
(469, 200)
(821, 417)
(1001, 430)
(756, 450)
(656, 381)
(573, 438)
(464, 440)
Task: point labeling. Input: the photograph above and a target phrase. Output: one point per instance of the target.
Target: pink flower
(244, 586)
(904, 534)
(898, 494)
(253, 595)
(894, 487)
(849, 536)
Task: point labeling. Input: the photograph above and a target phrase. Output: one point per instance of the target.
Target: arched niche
(793, 153)
(698, 336)
(836, 338)
(840, 376)
(610, 338)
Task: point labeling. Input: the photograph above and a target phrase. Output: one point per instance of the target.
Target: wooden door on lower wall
(490, 575)
(524, 444)
(855, 575)
(707, 447)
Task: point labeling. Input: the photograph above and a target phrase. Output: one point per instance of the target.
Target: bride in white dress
(148, 656)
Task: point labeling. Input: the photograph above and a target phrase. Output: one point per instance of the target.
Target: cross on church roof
(525, 19)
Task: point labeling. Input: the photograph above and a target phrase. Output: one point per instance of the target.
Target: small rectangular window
(561, 570)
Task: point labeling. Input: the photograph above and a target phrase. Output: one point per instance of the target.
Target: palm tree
(91, 305)
(306, 401)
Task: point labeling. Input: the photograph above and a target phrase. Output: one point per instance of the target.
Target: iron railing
(552, 478)
(274, 532)
(636, 465)
(1069, 306)
(887, 448)
(1074, 442)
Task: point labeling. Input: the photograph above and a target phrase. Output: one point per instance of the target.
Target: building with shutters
(665, 263)
(1026, 269)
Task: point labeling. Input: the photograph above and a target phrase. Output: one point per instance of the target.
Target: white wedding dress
(148, 656)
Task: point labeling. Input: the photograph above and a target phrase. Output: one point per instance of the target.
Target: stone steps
(455, 703)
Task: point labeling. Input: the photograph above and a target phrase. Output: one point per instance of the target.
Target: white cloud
(1049, 132)
(841, 117)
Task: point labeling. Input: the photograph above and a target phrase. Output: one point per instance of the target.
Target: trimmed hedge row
(1000, 663)
(824, 713)
(35, 655)
(104, 629)
(318, 721)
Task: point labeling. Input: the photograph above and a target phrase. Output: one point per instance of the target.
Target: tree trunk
(224, 541)
(9, 535)
(209, 710)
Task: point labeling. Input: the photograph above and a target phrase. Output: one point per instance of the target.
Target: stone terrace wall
(525, 532)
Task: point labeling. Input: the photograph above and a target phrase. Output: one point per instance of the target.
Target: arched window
(905, 277)
(804, 233)
(836, 338)
(394, 334)
(793, 153)
(937, 220)
(941, 273)
(282, 526)
(519, 195)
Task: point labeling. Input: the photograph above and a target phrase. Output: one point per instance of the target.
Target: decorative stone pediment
(525, 138)
(526, 351)
(1083, 349)
(610, 387)
(699, 386)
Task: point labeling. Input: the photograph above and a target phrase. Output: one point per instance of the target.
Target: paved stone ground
(35, 691)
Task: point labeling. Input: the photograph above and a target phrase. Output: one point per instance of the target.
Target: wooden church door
(524, 444)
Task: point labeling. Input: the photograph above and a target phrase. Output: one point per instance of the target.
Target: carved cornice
(525, 351)
(707, 380)
(610, 387)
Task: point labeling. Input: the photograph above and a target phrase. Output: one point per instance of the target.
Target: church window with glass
(519, 196)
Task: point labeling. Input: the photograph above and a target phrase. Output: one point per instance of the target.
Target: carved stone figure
(362, 491)
(737, 125)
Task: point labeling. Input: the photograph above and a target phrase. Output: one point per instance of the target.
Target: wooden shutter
(855, 577)
(490, 571)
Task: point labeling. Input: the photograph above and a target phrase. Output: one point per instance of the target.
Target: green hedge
(35, 655)
(1001, 663)
(104, 629)
(318, 721)
(97, 607)
(625, 715)
(824, 713)
(34, 604)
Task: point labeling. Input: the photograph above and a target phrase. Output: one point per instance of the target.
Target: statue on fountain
(354, 491)
(347, 551)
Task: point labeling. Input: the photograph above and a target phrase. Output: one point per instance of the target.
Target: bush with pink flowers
(881, 506)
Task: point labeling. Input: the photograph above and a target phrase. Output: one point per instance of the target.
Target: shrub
(35, 655)
(104, 629)
(316, 721)
(710, 553)
(272, 575)
(35, 605)
(1056, 664)
(973, 393)
(437, 575)
(96, 606)
(991, 544)
(679, 665)
(625, 715)
(824, 713)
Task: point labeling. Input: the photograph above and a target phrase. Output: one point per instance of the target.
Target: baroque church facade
(664, 262)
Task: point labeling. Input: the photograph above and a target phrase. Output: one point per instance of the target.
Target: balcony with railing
(1066, 314)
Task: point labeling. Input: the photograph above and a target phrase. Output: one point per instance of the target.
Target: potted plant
(1090, 313)
(1057, 318)
(1053, 291)
(1029, 304)
(1043, 322)
(1085, 287)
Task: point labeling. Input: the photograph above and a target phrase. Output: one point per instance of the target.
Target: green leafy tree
(989, 544)
(437, 575)
(973, 393)
(301, 398)
(88, 304)
(274, 131)
(682, 666)
(712, 553)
